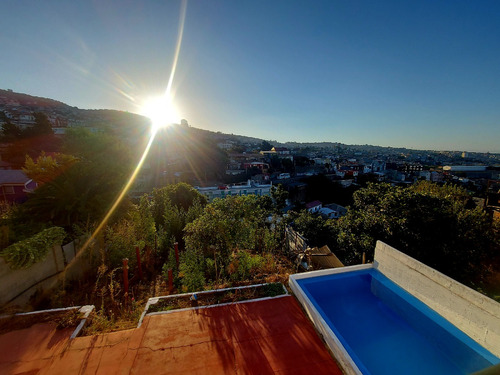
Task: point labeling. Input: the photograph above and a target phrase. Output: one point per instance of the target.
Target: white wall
(18, 286)
(475, 314)
(15, 282)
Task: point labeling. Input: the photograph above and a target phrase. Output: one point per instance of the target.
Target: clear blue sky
(418, 74)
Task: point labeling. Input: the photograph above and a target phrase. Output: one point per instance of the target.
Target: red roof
(313, 204)
(259, 337)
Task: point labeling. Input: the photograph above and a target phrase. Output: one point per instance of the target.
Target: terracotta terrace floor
(264, 337)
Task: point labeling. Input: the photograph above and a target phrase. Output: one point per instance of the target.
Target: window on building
(8, 189)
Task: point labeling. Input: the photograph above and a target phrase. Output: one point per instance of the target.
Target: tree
(313, 227)
(86, 190)
(135, 229)
(192, 270)
(426, 221)
(275, 163)
(25, 253)
(279, 195)
(42, 126)
(228, 225)
(174, 206)
(180, 195)
(10, 132)
(47, 168)
(319, 187)
(287, 165)
(266, 146)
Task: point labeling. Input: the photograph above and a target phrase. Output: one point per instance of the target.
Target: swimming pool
(383, 329)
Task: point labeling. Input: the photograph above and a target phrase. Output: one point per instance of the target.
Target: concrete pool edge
(472, 313)
(333, 343)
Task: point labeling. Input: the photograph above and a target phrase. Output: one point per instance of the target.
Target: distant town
(251, 166)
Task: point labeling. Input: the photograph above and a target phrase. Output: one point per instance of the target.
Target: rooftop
(12, 176)
(260, 337)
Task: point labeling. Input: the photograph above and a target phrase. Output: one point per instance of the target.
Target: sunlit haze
(421, 74)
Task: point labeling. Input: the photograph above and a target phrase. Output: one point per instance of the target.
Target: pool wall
(330, 338)
(474, 314)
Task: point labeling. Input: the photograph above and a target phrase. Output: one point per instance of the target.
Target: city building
(250, 188)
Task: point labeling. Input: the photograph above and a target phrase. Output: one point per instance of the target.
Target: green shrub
(192, 270)
(25, 253)
(244, 265)
(120, 243)
(171, 264)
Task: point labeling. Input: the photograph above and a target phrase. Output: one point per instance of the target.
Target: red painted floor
(266, 337)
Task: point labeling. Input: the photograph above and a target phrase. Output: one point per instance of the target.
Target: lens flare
(161, 111)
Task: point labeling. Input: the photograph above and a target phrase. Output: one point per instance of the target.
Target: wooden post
(138, 254)
(125, 277)
(170, 280)
(176, 248)
(309, 259)
(363, 261)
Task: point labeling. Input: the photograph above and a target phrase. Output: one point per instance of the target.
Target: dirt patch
(62, 319)
(217, 297)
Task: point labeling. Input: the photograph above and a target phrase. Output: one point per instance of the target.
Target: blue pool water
(386, 330)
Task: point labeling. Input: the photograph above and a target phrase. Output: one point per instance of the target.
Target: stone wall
(475, 314)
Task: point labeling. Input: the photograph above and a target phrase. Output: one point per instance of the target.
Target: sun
(161, 111)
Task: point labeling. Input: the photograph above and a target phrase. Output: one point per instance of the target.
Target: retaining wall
(17, 287)
(475, 314)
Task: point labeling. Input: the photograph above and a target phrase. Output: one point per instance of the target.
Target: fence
(295, 242)
(62, 263)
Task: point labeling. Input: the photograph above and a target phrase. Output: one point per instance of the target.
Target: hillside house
(314, 206)
(14, 185)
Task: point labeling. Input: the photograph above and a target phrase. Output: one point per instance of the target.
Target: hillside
(19, 107)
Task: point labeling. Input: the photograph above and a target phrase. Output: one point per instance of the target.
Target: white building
(425, 174)
(436, 176)
(464, 168)
(225, 145)
(328, 213)
(250, 188)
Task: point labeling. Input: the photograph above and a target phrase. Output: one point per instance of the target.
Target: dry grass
(217, 297)
(114, 311)
(61, 319)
